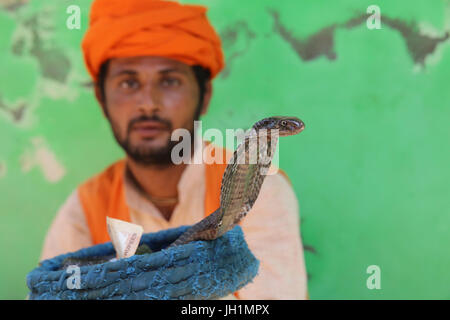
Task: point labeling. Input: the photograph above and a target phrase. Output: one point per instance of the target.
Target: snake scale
(243, 178)
(241, 183)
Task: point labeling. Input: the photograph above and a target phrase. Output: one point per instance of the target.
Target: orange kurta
(104, 196)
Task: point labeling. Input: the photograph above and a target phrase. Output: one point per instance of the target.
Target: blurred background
(371, 170)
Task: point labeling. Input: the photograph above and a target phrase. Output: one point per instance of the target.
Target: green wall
(371, 170)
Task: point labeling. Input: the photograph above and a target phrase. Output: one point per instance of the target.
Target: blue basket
(197, 270)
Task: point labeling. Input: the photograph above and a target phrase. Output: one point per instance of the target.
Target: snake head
(286, 126)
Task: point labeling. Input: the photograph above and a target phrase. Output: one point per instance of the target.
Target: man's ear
(207, 97)
(100, 100)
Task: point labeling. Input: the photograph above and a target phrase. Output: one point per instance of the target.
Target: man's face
(146, 98)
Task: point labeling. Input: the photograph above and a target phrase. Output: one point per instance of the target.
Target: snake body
(243, 178)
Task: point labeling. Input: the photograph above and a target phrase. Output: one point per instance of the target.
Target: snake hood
(286, 126)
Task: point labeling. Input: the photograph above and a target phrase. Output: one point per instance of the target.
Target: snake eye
(284, 123)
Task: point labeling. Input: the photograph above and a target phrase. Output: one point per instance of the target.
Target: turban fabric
(119, 28)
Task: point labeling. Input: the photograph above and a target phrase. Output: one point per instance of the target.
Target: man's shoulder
(277, 191)
(278, 181)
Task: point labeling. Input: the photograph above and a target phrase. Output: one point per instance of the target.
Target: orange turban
(120, 28)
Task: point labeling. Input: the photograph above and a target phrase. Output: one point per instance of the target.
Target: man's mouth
(149, 128)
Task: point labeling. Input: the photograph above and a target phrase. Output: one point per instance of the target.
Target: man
(153, 62)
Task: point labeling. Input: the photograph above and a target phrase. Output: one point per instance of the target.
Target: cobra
(243, 178)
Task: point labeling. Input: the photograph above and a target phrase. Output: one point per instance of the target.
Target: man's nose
(150, 101)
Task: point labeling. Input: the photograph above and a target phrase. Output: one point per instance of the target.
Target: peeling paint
(2, 169)
(40, 155)
(419, 44)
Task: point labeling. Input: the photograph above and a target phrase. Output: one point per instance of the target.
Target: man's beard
(145, 155)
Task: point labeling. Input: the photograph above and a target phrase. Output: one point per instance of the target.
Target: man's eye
(170, 82)
(129, 84)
